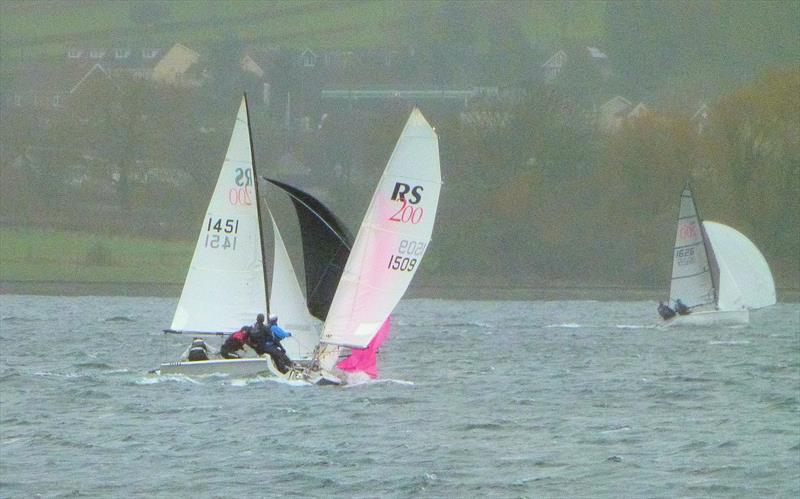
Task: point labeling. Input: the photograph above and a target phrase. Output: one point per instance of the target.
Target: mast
(714, 282)
(258, 199)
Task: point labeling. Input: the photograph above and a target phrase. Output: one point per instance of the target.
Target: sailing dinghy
(389, 246)
(716, 271)
(225, 287)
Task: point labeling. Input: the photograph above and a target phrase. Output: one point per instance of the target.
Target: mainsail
(225, 287)
(391, 241)
(692, 281)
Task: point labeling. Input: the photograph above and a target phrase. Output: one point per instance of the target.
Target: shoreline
(448, 292)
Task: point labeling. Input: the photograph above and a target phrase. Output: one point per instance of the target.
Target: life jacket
(239, 337)
(198, 350)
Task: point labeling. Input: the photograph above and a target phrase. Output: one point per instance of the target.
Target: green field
(61, 256)
(46, 28)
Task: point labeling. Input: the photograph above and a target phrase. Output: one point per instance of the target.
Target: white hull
(246, 368)
(711, 318)
(232, 367)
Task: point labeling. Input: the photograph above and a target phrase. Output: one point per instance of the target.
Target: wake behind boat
(718, 274)
(349, 293)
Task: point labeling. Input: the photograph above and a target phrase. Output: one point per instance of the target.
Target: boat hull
(231, 367)
(263, 366)
(711, 318)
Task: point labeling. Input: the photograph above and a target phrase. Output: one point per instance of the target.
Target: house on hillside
(638, 110)
(552, 67)
(97, 71)
(173, 67)
(612, 113)
(616, 111)
(590, 59)
(45, 88)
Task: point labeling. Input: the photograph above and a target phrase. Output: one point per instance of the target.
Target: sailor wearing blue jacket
(277, 332)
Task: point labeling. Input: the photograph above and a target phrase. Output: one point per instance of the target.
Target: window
(74, 53)
(122, 53)
(56, 100)
(149, 53)
(96, 53)
(309, 59)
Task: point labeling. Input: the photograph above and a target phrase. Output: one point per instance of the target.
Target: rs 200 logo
(401, 190)
(408, 196)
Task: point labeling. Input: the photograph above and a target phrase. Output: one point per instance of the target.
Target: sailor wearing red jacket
(235, 342)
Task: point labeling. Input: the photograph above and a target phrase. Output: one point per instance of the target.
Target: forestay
(745, 280)
(691, 274)
(225, 287)
(391, 241)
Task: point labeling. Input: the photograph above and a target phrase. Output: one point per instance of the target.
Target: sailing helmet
(260, 318)
(273, 319)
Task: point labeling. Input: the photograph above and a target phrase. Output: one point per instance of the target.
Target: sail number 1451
(221, 233)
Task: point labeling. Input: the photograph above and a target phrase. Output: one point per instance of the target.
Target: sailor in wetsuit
(267, 339)
(664, 311)
(681, 308)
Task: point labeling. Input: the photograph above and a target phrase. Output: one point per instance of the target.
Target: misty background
(566, 129)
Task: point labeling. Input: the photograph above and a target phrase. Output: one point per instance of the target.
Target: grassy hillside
(44, 27)
(48, 255)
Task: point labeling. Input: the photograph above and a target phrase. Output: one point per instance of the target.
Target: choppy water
(495, 399)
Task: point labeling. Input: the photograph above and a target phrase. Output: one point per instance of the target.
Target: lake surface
(476, 398)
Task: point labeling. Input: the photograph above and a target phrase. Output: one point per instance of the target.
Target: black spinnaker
(326, 247)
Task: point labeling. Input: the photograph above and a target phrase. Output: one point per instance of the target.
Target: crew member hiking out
(267, 339)
(664, 311)
(234, 343)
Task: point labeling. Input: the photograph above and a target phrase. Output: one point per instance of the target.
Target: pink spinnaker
(365, 359)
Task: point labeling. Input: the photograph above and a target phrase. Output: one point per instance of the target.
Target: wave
(119, 318)
(15, 318)
(636, 326)
(445, 324)
(94, 365)
(154, 379)
(729, 342)
(61, 375)
(261, 380)
(566, 325)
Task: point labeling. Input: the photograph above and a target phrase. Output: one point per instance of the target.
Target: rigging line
(315, 214)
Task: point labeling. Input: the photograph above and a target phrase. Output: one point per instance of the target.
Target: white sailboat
(387, 251)
(716, 271)
(225, 286)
